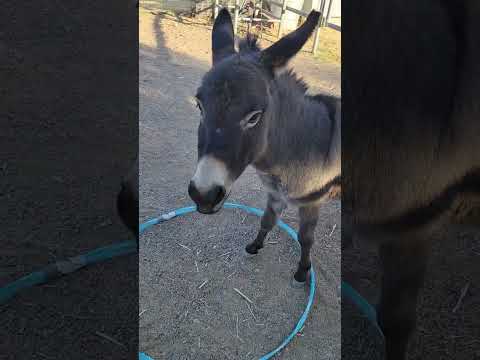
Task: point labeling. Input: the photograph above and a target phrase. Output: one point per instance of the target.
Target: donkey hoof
(251, 249)
(249, 255)
(301, 276)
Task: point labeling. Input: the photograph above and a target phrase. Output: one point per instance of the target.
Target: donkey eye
(255, 117)
(251, 119)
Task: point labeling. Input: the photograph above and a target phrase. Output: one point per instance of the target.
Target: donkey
(253, 115)
(411, 138)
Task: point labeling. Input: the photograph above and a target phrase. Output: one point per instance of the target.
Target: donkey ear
(223, 43)
(278, 54)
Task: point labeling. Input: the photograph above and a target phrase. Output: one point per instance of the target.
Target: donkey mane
(249, 44)
(291, 77)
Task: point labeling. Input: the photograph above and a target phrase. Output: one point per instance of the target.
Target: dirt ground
(180, 318)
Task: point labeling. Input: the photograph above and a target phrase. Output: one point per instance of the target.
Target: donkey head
(233, 100)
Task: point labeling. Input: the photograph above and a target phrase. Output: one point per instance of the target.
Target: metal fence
(267, 16)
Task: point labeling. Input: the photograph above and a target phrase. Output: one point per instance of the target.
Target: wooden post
(282, 24)
(215, 9)
(260, 16)
(235, 17)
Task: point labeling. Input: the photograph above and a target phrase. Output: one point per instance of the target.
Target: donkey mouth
(210, 210)
(207, 211)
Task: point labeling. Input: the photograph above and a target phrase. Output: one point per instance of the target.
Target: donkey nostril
(218, 194)
(193, 192)
(209, 199)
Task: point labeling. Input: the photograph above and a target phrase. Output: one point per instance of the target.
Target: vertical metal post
(235, 17)
(322, 13)
(215, 9)
(282, 24)
(328, 12)
(317, 34)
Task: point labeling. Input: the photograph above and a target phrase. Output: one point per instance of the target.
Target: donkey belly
(301, 187)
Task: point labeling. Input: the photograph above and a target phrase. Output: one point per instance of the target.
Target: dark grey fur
(295, 146)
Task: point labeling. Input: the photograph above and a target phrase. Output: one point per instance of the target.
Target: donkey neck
(299, 128)
(302, 139)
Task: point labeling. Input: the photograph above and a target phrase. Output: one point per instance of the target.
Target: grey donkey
(252, 115)
(411, 138)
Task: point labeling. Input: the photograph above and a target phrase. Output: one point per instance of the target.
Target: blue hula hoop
(65, 267)
(72, 264)
(292, 233)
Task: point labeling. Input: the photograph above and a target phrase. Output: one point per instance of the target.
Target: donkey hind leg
(274, 209)
(403, 263)
(308, 221)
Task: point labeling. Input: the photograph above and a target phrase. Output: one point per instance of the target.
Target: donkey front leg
(403, 263)
(308, 221)
(274, 209)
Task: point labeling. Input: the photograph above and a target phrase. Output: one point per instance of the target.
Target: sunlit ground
(180, 38)
(329, 47)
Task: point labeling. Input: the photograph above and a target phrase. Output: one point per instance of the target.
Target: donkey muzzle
(208, 202)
